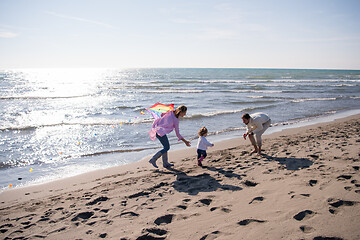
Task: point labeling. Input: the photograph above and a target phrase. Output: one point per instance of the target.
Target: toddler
(202, 145)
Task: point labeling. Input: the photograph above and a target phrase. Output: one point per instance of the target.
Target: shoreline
(304, 186)
(223, 144)
(216, 138)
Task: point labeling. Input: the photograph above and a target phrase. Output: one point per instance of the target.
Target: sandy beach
(306, 185)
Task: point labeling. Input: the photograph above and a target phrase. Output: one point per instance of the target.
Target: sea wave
(92, 123)
(181, 81)
(254, 102)
(344, 85)
(10, 164)
(115, 151)
(268, 97)
(16, 163)
(269, 77)
(255, 91)
(7, 165)
(268, 81)
(212, 114)
(172, 91)
(313, 99)
(136, 121)
(226, 112)
(41, 97)
(314, 80)
(224, 81)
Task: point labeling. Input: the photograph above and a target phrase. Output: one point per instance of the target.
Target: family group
(256, 123)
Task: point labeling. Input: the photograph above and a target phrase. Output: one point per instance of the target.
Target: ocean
(57, 123)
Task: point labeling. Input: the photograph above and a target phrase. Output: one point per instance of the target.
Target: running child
(202, 145)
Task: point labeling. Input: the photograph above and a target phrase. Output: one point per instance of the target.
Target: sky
(306, 34)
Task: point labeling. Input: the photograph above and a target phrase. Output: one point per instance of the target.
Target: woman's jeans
(162, 153)
(165, 142)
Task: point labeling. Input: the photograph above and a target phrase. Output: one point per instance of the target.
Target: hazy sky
(180, 33)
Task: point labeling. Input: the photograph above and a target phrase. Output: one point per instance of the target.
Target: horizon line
(259, 68)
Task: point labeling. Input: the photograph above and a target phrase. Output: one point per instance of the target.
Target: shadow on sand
(291, 163)
(204, 182)
(192, 185)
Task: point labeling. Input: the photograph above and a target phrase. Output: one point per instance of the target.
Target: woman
(163, 126)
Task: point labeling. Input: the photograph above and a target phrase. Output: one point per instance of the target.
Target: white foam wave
(172, 91)
(314, 80)
(313, 99)
(216, 113)
(256, 97)
(225, 81)
(225, 112)
(267, 97)
(255, 91)
(343, 85)
(102, 122)
(41, 97)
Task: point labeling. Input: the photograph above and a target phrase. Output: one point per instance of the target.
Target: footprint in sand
(154, 231)
(139, 194)
(313, 156)
(149, 237)
(248, 221)
(97, 200)
(58, 230)
(4, 228)
(339, 203)
(212, 235)
(157, 231)
(356, 185)
(306, 229)
(250, 183)
(304, 215)
(103, 235)
(43, 219)
(257, 199)
(326, 238)
(223, 209)
(302, 195)
(344, 177)
(83, 216)
(312, 182)
(205, 201)
(182, 206)
(164, 219)
(129, 214)
(336, 203)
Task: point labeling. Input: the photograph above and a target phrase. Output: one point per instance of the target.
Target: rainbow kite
(159, 109)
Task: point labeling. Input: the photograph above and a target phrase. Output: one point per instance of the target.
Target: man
(257, 124)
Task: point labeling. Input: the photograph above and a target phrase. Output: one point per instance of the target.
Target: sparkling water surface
(63, 122)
